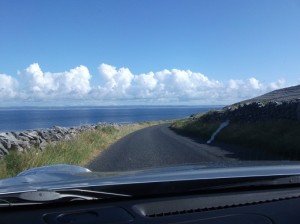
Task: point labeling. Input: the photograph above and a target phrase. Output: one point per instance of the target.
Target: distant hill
(278, 104)
(280, 95)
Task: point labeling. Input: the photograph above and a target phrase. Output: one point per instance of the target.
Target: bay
(18, 119)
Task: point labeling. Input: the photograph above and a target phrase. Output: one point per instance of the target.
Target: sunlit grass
(78, 151)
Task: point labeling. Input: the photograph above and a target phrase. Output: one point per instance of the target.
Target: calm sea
(17, 119)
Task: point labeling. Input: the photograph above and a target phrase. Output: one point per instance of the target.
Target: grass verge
(278, 136)
(78, 151)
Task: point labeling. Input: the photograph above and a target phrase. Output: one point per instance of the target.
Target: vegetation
(78, 151)
(195, 127)
(277, 136)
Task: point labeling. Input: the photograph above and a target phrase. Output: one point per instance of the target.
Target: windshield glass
(119, 86)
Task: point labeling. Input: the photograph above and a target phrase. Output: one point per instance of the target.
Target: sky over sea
(152, 52)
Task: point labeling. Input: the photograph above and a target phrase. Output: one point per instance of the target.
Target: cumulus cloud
(277, 85)
(8, 86)
(39, 84)
(166, 84)
(177, 86)
(117, 81)
(121, 85)
(243, 89)
(255, 84)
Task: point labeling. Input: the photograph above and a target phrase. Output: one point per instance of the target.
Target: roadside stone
(16, 147)
(44, 134)
(6, 143)
(25, 145)
(43, 144)
(3, 150)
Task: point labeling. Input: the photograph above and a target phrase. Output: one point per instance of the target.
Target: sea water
(17, 119)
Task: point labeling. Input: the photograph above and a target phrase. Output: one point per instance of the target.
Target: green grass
(281, 137)
(78, 151)
(195, 127)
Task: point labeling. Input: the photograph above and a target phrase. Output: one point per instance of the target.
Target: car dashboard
(245, 207)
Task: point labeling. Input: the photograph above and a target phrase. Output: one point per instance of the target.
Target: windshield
(153, 86)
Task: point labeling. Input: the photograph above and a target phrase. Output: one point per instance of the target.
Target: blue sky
(146, 52)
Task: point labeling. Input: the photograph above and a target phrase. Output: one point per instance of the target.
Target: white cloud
(117, 81)
(277, 85)
(39, 84)
(237, 90)
(121, 85)
(234, 84)
(166, 84)
(8, 87)
(255, 84)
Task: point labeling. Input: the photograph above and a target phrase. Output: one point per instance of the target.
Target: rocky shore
(26, 140)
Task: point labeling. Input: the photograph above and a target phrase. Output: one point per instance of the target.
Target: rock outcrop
(256, 111)
(278, 104)
(26, 140)
(280, 95)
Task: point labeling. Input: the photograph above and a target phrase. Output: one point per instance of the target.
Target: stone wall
(256, 111)
(26, 140)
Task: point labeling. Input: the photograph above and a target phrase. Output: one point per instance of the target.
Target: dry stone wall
(26, 140)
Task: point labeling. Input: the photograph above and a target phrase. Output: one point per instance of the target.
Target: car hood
(64, 176)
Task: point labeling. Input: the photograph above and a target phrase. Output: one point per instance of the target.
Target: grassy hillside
(269, 122)
(279, 136)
